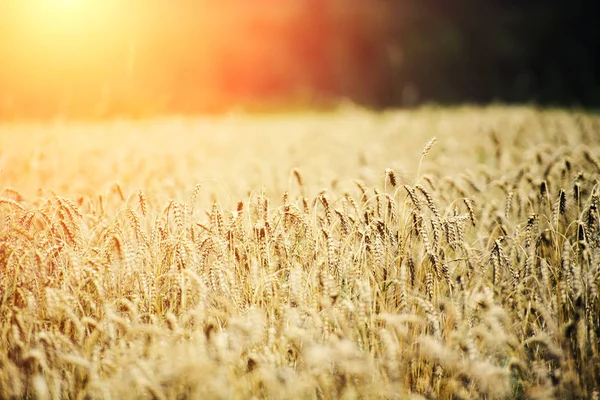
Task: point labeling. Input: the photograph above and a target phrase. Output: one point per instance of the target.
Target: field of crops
(433, 253)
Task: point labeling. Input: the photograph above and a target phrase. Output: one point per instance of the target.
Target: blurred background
(105, 58)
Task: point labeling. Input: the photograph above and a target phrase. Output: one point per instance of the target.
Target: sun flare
(65, 13)
(74, 40)
(65, 4)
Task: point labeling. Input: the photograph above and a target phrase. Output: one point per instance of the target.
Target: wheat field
(434, 253)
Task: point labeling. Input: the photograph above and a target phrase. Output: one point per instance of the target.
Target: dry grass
(312, 256)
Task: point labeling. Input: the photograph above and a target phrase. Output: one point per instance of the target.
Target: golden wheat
(345, 281)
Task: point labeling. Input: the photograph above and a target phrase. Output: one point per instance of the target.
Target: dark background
(193, 56)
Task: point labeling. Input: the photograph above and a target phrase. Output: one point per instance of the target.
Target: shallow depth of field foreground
(435, 253)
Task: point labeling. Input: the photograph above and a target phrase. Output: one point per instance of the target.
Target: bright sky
(55, 42)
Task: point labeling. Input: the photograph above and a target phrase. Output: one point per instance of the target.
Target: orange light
(64, 6)
(65, 17)
(59, 34)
